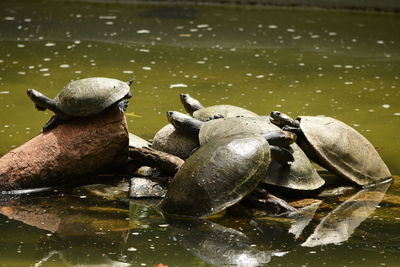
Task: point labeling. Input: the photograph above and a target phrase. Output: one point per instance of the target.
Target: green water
(340, 64)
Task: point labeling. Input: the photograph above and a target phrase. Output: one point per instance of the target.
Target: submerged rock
(144, 187)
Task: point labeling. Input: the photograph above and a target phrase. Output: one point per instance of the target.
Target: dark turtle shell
(90, 96)
(342, 150)
(218, 175)
(300, 175)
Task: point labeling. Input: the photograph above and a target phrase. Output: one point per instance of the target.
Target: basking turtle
(204, 131)
(218, 175)
(299, 175)
(336, 146)
(83, 98)
(198, 111)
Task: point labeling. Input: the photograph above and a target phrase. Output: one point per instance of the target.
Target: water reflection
(340, 223)
(218, 245)
(76, 231)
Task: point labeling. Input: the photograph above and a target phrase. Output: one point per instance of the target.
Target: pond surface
(303, 62)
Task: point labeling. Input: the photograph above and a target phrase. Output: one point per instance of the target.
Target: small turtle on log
(82, 98)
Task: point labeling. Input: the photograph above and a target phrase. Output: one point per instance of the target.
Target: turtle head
(190, 104)
(41, 101)
(130, 81)
(184, 123)
(281, 119)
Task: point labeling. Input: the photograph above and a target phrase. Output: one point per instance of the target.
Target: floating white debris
(386, 106)
(44, 69)
(132, 249)
(9, 18)
(272, 27)
(107, 17)
(143, 31)
(64, 66)
(50, 44)
(109, 22)
(348, 82)
(396, 114)
(20, 45)
(46, 59)
(260, 76)
(82, 196)
(127, 71)
(178, 85)
(4, 92)
(163, 225)
(144, 50)
(21, 72)
(202, 26)
(146, 68)
(380, 42)
(201, 62)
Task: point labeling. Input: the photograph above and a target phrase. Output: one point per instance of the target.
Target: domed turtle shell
(342, 150)
(300, 175)
(226, 111)
(169, 140)
(90, 96)
(218, 175)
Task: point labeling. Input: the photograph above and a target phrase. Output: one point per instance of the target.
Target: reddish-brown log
(76, 148)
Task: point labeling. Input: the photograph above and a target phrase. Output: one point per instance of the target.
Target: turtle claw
(122, 106)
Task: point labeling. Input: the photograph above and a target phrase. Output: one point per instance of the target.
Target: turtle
(218, 175)
(198, 111)
(298, 175)
(337, 147)
(83, 98)
(203, 131)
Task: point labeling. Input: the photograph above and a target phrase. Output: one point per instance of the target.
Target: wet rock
(170, 141)
(144, 188)
(147, 171)
(76, 148)
(104, 191)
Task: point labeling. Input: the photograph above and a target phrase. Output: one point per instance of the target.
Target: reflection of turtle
(218, 175)
(198, 111)
(336, 146)
(299, 175)
(83, 98)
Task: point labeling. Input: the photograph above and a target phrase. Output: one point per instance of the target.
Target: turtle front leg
(281, 155)
(52, 123)
(122, 106)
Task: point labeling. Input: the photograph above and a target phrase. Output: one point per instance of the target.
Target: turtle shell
(90, 96)
(169, 140)
(217, 175)
(342, 150)
(225, 110)
(218, 128)
(300, 175)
